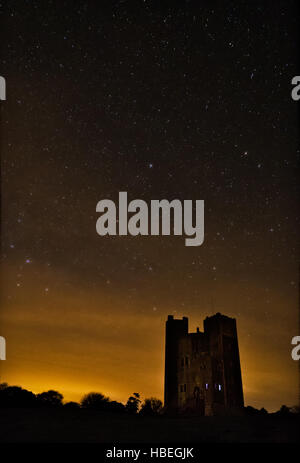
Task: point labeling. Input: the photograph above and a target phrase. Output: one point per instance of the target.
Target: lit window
(206, 386)
(220, 387)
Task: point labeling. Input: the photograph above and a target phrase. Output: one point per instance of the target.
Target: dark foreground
(56, 426)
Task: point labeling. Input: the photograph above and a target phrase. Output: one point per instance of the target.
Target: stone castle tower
(202, 369)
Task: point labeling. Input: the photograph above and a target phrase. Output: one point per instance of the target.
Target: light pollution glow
(79, 341)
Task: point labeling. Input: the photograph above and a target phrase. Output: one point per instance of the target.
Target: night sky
(185, 100)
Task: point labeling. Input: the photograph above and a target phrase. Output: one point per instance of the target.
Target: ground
(55, 426)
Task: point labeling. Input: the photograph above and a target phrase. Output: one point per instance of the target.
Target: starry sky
(164, 100)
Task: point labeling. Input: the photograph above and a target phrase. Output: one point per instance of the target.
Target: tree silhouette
(71, 406)
(97, 401)
(114, 406)
(15, 396)
(284, 411)
(151, 406)
(94, 401)
(50, 399)
(133, 403)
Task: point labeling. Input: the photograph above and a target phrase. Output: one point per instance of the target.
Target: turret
(174, 330)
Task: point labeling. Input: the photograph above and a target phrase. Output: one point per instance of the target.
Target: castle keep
(202, 369)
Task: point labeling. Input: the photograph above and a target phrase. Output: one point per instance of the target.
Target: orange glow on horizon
(56, 343)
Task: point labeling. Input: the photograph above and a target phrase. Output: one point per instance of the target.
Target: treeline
(283, 411)
(17, 397)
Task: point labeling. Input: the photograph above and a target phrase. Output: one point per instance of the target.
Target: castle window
(206, 386)
(182, 387)
(187, 361)
(220, 387)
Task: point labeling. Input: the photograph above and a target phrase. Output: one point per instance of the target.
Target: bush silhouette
(251, 410)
